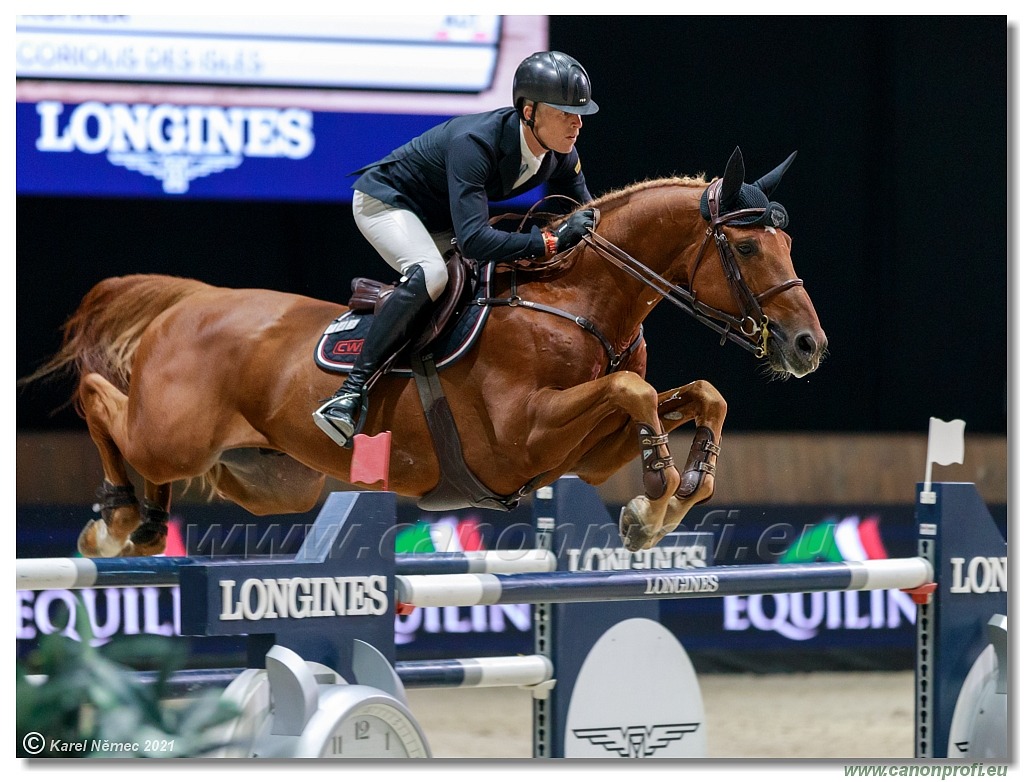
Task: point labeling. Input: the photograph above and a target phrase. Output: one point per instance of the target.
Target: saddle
(457, 320)
(368, 296)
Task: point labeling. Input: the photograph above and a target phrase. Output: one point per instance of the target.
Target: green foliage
(91, 705)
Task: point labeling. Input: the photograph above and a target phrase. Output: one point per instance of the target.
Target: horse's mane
(609, 200)
(566, 261)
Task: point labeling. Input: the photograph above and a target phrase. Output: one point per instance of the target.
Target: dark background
(897, 202)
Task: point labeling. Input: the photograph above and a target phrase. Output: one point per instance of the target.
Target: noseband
(751, 328)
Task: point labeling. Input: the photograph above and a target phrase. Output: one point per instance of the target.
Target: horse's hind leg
(150, 537)
(105, 408)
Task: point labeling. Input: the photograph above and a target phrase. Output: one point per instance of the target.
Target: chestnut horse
(183, 380)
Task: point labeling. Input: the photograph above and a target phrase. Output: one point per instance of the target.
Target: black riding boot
(404, 310)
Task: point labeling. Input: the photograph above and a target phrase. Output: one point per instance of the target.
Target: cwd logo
(175, 144)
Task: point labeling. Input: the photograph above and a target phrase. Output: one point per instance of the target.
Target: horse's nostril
(806, 344)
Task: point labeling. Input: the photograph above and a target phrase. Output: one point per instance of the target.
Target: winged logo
(175, 171)
(636, 741)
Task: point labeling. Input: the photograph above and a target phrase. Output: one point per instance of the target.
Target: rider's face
(556, 128)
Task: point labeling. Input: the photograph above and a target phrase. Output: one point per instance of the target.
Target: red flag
(371, 459)
(469, 535)
(175, 541)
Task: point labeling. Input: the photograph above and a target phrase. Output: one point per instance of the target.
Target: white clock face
(374, 730)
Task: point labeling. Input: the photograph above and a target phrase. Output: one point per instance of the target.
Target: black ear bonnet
(737, 194)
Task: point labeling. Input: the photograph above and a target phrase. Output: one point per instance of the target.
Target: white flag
(945, 441)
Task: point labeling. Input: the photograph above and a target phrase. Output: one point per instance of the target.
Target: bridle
(752, 328)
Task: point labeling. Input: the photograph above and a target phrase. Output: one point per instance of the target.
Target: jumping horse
(183, 380)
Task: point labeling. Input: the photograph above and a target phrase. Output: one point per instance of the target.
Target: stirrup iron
(338, 430)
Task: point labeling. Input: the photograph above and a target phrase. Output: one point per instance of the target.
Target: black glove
(572, 230)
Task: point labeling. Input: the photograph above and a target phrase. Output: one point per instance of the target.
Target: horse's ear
(770, 181)
(732, 180)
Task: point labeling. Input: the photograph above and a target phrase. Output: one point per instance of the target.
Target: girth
(458, 486)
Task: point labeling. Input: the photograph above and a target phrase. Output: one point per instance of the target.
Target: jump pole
(675, 584)
(84, 573)
(525, 670)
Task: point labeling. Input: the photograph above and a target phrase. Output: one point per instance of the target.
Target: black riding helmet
(553, 78)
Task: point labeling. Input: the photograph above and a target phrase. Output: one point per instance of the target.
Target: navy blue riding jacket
(448, 175)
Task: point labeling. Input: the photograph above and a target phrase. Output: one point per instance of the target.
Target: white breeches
(402, 240)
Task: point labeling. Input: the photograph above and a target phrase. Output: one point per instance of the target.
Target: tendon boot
(394, 326)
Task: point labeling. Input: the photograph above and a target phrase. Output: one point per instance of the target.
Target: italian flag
(852, 539)
(449, 534)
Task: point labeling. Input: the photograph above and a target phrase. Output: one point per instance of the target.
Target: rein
(615, 359)
(751, 330)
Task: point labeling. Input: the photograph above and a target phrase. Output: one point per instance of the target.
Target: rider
(411, 204)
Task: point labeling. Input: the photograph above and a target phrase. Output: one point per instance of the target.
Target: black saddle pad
(342, 340)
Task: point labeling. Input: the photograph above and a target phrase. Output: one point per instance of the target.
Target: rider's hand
(569, 233)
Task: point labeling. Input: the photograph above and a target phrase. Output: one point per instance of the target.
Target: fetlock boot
(401, 314)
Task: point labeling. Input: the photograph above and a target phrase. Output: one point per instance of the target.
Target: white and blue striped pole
(515, 671)
(472, 589)
(528, 670)
(83, 573)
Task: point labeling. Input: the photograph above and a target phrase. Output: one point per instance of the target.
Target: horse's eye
(746, 248)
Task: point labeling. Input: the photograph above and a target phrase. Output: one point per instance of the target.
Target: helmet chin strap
(530, 125)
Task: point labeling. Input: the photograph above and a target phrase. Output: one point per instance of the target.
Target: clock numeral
(379, 735)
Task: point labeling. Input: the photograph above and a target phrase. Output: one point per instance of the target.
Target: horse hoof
(632, 530)
(149, 539)
(94, 540)
(86, 540)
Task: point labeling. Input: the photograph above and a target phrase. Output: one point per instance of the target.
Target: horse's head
(754, 288)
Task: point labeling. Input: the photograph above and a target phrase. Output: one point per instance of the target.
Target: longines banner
(834, 630)
(245, 107)
(199, 151)
(171, 151)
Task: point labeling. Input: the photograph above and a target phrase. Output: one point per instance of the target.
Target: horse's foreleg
(698, 400)
(563, 420)
(105, 407)
(701, 403)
